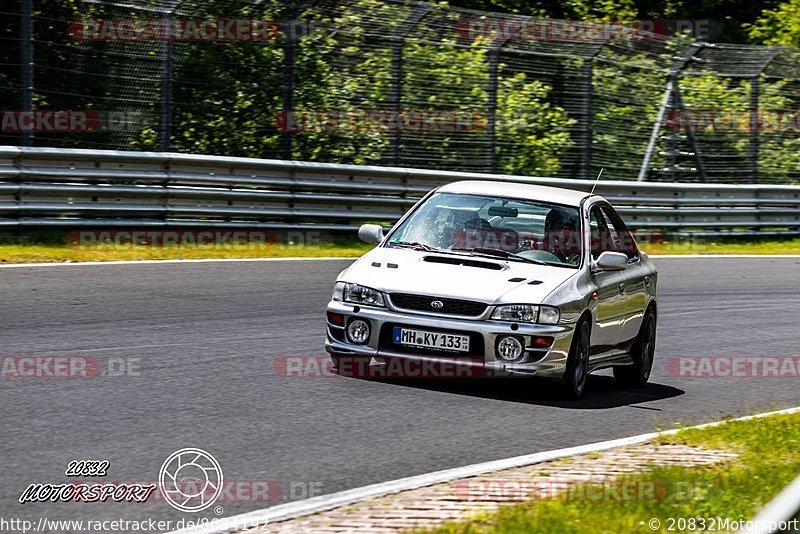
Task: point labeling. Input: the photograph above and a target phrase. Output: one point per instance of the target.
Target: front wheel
(574, 380)
(643, 350)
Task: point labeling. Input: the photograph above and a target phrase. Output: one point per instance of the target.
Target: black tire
(643, 350)
(348, 365)
(573, 383)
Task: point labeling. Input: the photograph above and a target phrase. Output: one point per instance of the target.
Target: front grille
(449, 306)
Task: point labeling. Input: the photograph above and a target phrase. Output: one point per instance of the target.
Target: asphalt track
(202, 338)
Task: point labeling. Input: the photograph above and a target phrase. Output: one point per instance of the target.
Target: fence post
(288, 85)
(753, 143)
(396, 74)
(167, 51)
(290, 40)
(26, 65)
(755, 134)
(669, 92)
(587, 74)
(491, 109)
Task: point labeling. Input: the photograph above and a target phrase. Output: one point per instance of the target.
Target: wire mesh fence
(398, 83)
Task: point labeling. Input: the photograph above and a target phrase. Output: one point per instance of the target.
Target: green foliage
(227, 98)
(533, 134)
(778, 26)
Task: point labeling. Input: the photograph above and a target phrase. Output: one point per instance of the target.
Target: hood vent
(467, 262)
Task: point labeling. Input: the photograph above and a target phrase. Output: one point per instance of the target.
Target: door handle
(646, 281)
(622, 288)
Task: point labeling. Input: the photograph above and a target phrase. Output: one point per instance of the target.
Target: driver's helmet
(461, 226)
(561, 231)
(468, 220)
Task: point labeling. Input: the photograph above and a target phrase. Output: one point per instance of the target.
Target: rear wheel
(574, 380)
(642, 351)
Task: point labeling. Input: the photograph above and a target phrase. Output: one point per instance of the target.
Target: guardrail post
(26, 63)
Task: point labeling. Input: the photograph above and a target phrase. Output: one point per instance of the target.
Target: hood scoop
(466, 262)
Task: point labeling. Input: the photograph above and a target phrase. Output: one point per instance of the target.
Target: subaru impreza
(511, 279)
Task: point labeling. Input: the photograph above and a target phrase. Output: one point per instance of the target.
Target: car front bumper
(540, 362)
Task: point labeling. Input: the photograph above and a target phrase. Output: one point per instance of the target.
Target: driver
(561, 234)
(460, 224)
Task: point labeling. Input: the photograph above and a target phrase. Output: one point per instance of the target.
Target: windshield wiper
(413, 244)
(494, 253)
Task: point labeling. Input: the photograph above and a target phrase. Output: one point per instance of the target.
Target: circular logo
(190, 480)
(438, 304)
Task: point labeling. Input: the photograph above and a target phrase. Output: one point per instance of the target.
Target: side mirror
(370, 233)
(611, 261)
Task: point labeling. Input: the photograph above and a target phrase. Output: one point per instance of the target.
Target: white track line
(330, 258)
(344, 498)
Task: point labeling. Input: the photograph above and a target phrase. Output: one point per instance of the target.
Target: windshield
(508, 228)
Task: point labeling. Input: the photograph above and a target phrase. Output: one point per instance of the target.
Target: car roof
(556, 195)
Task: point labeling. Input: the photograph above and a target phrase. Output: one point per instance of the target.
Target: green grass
(724, 246)
(52, 246)
(769, 460)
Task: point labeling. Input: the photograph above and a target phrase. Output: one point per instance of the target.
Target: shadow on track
(601, 391)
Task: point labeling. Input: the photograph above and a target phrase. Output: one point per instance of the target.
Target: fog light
(358, 331)
(509, 348)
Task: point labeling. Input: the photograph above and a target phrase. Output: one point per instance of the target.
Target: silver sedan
(500, 279)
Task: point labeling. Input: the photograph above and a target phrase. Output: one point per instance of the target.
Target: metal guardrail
(99, 188)
(777, 516)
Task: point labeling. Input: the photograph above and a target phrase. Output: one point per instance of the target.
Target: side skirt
(611, 361)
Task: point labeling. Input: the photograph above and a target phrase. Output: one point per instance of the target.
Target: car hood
(421, 273)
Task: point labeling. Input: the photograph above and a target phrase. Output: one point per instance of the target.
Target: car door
(637, 275)
(611, 307)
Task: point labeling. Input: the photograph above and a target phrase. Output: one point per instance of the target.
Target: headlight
(523, 313)
(357, 294)
(527, 313)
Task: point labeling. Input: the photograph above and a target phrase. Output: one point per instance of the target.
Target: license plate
(430, 340)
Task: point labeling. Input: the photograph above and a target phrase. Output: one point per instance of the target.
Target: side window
(622, 237)
(601, 239)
